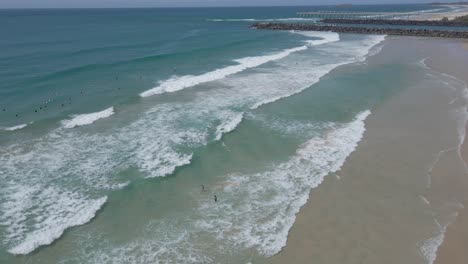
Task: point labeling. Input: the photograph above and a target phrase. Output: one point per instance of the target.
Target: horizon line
(180, 7)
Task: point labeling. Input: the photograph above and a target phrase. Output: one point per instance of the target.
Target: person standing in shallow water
(216, 198)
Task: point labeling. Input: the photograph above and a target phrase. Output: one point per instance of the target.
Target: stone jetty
(364, 30)
(398, 22)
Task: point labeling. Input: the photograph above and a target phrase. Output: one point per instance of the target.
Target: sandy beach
(375, 207)
(453, 250)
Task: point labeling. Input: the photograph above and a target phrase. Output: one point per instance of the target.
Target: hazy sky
(179, 3)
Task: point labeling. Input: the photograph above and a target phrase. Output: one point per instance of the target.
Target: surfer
(203, 188)
(216, 198)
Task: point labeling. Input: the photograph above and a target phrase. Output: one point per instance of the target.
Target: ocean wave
(87, 119)
(161, 243)
(256, 210)
(50, 184)
(180, 83)
(230, 123)
(303, 77)
(65, 210)
(326, 37)
(266, 203)
(312, 79)
(232, 19)
(156, 143)
(291, 127)
(261, 19)
(14, 128)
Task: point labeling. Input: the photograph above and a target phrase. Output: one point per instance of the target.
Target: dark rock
(397, 22)
(363, 30)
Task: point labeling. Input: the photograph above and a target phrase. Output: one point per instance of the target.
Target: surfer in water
(216, 198)
(203, 188)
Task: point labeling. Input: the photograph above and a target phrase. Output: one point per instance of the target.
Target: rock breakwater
(363, 30)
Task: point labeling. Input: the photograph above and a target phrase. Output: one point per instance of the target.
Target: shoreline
(453, 248)
(378, 162)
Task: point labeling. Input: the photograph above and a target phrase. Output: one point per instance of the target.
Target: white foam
(229, 125)
(161, 243)
(326, 37)
(64, 209)
(233, 20)
(376, 49)
(258, 210)
(283, 92)
(304, 72)
(422, 64)
(286, 126)
(180, 83)
(14, 128)
(87, 119)
(430, 246)
(263, 20)
(460, 88)
(49, 184)
(293, 19)
(157, 142)
(424, 199)
(255, 211)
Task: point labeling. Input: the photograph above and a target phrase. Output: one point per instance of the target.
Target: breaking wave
(87, 119)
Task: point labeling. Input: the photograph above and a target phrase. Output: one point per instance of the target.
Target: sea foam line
(231, 123)
(325, 37)
(267, 202)
(429, 247)
(87, 119)
(14, 128)
(179, 83)
(259, 19)
(52, 232)
(224, 128)
(462, 111)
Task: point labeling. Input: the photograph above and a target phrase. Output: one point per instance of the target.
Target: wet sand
(454, 248)
(404, 182)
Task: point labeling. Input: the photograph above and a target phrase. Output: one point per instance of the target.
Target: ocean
(120, 127)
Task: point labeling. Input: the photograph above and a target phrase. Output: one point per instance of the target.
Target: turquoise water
(112, 120)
